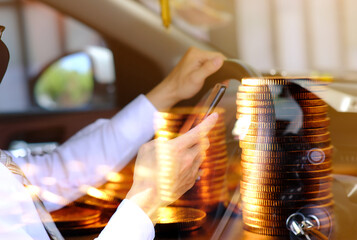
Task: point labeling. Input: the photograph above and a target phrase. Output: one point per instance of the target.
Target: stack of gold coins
(119, 183)
(286, 154)
(74, 220)
(108, 196)
(210, 188)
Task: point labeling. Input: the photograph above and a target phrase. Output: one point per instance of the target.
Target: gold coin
(175, 127)
(279, 232)
(268, 96)
(286, 175)
(93, 228)
(288, 182)
(287, 202)
(280, 217)
(216, 154)
(214, 150)
(283, 188)
(284, 81)
(283, 147)
(119, 194)
(184, 111)
(286, 167)
(288, 196)
(328, 207)
(200, 201)
(204, 206)
(279, 125)
(212, 196)
(211, 181)
(216, 162)
(170, 116)
(207, 188)
(287, 139)
(266, 231)
(263, 223)
(326, 151)
(271, 109)
(117, 186)
(70, 216)
(171, 125)
(272, 102)
(206, 173)
(91, 202)
(281, 132)
(255, 236)
(277, 89)
(216, 197)
(275, 224)
(215, 131)
(179, 219)
(217, 140)
(269, 118)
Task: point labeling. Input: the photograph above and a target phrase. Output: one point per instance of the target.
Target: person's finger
(190, 175)
(194, 135)
(208, 67)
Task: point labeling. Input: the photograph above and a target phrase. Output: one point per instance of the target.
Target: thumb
(208, 67)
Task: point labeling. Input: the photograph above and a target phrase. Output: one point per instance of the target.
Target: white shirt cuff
(128, 222)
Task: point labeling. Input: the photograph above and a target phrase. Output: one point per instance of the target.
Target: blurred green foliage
(62, 88)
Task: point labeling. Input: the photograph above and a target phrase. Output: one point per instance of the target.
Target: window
(36, 35)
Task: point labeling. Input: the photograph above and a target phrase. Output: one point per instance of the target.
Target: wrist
(163, 96)
(148, 202)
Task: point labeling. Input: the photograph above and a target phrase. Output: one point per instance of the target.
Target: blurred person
(105, 146)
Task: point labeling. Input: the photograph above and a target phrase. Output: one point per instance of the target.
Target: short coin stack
(74, 220)
(286, 154)
(210, 188)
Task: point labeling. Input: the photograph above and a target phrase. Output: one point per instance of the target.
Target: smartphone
(211, 102)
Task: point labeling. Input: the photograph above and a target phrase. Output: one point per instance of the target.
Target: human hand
(165, 170)
(186, 79)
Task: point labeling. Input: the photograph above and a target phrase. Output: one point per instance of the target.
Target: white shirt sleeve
(128, 222)
(86, 158)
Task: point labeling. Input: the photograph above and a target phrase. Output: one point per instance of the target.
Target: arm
(109, 144)
(186, 79)
(136, 215)
(86, 158)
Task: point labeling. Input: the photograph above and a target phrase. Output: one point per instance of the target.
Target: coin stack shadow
(210, 188)
(286, 155)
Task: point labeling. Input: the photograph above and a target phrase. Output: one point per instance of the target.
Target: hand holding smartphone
(211, 102)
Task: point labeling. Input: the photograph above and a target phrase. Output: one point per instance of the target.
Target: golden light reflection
(115, 177)
(167, 214)
(54, 198)
(33, 190)
(97, 193)
(241, 126)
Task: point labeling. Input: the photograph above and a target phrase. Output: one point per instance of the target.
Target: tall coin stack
(286, 155)
(210, 188)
